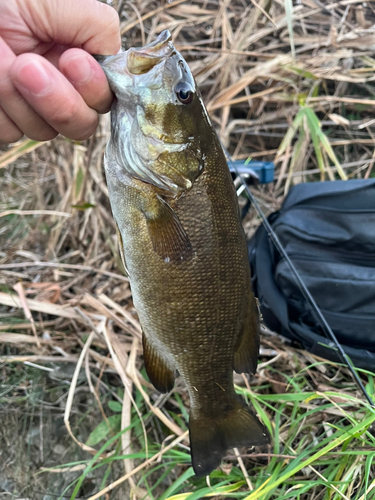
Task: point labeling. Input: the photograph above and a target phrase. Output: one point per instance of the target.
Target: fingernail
(34, 78)
(78, 69)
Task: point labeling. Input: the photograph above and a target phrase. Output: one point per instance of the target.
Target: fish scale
(183, 245)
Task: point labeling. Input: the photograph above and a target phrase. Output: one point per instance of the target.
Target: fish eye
(184, 92)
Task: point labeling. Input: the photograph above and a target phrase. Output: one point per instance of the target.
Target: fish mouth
(159, 47)
(141, 60)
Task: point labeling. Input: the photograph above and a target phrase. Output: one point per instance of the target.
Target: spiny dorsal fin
(160, 375)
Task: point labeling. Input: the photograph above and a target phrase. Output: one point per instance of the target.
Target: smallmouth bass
(182, 244)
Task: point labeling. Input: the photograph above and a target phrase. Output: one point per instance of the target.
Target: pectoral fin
(158, 372)
(169, 239)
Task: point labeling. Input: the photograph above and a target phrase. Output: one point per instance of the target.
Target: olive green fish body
(184, 248)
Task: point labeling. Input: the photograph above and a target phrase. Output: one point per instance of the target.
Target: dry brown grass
(57, 236)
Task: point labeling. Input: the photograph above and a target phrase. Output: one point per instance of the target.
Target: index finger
(88, 24)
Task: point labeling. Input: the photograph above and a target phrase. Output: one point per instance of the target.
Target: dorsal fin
(246, 351)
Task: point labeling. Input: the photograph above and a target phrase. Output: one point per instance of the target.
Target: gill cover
(155, 104)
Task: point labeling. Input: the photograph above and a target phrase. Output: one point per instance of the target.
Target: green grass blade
(315, 125)
(289, 19)
(368, 465)
(173, 487)
(218, 490)
(19, 149)
(335, 440)
(291, 132)
(314, 128)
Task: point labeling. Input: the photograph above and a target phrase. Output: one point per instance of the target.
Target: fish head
(157, 116)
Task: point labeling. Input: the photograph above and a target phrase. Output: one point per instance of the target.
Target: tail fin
(210, 438)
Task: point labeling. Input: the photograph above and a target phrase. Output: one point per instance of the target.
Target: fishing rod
(301, 285)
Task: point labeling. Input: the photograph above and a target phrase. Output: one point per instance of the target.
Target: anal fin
(158, 372)
(246, 352)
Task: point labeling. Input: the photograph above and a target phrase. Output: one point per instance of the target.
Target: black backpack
(328, 231)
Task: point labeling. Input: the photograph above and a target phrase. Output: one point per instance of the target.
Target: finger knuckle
(64, 114)
(73, 122)
(9, 135)
(113, 23)
(112, 15)
(43, 135)
(84, 134)
(102, 103)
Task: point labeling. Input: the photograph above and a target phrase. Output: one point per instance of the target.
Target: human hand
(49, 82)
